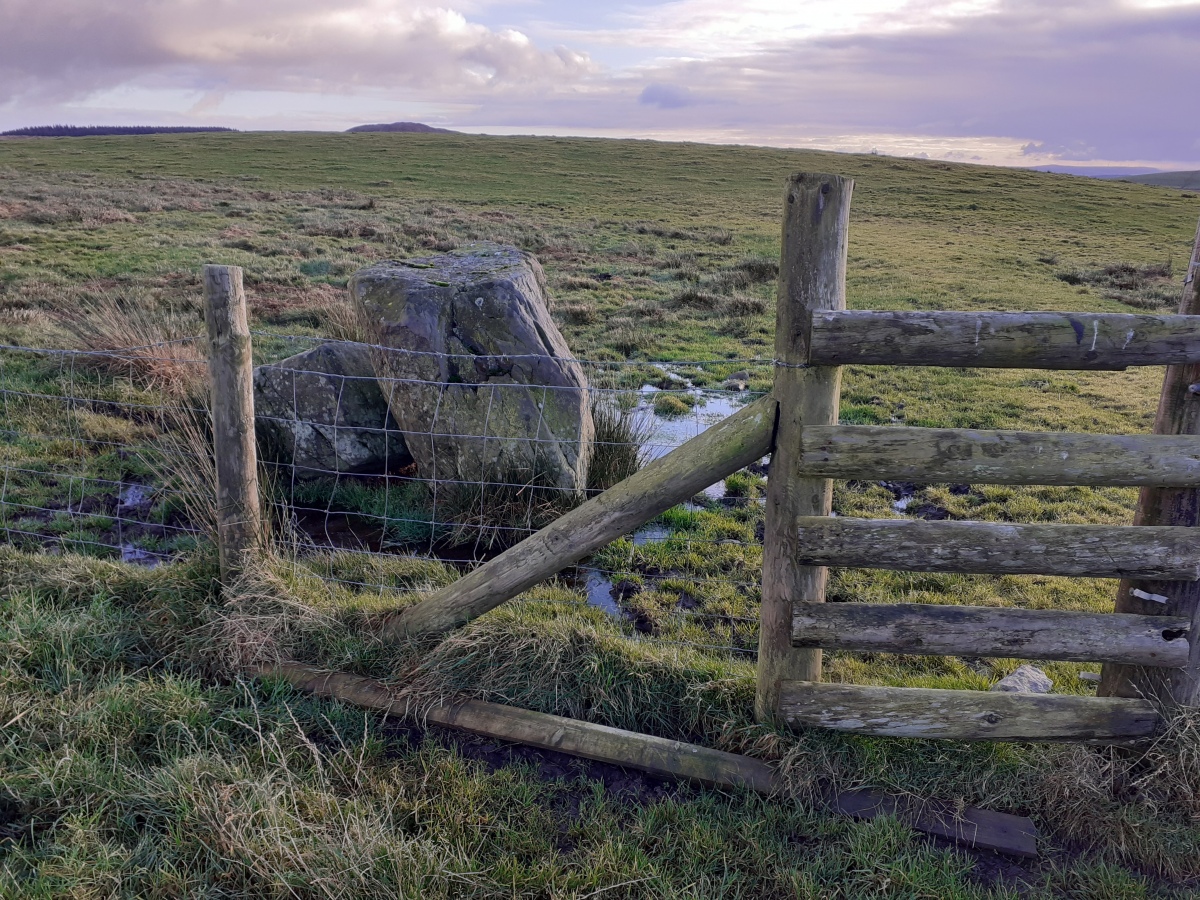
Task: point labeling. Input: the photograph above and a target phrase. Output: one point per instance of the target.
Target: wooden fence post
(1178, 413)
(231, 369)
(812, 276)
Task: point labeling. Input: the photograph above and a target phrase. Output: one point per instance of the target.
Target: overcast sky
(1018, 82)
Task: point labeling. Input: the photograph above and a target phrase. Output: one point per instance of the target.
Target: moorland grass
(137, 763)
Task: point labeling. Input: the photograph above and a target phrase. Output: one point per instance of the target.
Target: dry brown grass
(124, 335)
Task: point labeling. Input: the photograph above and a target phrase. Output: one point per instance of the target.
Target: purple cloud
(666, 96)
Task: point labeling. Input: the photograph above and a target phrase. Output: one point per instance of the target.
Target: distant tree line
(89, 130)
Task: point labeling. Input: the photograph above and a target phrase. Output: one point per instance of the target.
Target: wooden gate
(1145, 644)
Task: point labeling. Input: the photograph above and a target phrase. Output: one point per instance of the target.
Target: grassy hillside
(1188, 181)
(135, 762)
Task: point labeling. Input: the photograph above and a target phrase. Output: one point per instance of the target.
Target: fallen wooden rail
(966, 715)
(951, 455)
(1033, 340)
(925, 628)
(1084, 551)
(728, 446)
(674, 759)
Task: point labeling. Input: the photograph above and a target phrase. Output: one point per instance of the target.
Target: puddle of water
(667, 434)
(598, 587)
(598, 590)
(132, 495)
(903, 492)
(650, 534)
(140, 557)
(673, 376)
(711, 407)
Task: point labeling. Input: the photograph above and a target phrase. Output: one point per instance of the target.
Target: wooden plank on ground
(926, 628)
(973, 827)
(956, 455)
(597, 742)
(1010, 340)
(966, 715)
(981, 828)
(1084, 551)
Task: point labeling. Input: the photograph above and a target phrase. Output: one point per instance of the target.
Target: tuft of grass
(578, 313)
(743, 305)
(695, 298)
(124, 336)
(672, 404)
(619, 448)
(1149, 286)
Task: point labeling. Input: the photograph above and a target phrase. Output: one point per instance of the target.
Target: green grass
(136, 764)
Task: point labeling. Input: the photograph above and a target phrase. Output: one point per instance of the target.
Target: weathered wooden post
(1178, 413)
(239, 523)
(812, 276)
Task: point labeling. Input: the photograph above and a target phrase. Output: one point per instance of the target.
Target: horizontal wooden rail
(930, 455)
(1086, 551)
(731, 444)
(965, 715)
(674, 759)
(935, 630)
(1035, 340)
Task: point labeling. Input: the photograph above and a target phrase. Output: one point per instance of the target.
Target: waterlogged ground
(136, 762)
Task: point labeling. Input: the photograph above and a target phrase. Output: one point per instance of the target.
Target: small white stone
(1025, 680)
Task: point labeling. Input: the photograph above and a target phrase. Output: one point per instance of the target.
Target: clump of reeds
(620, 445)
(344, 321)
(127, 335)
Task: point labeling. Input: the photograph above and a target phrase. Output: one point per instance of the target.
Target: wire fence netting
(392, 471)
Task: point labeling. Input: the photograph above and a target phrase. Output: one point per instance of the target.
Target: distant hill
(1099, 171)
(1185, 181)
(92, 130)
(403, 126)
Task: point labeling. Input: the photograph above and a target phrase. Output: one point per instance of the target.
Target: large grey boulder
(481, 381)
(322, 412)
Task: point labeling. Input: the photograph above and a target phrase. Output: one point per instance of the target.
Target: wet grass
(136, 763)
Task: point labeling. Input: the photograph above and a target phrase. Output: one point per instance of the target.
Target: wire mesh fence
(84, 469)
(104, 455)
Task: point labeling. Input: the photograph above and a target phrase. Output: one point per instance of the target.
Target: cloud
(667, 96)
(1013, 80)
(1096, 79)
(71, 48)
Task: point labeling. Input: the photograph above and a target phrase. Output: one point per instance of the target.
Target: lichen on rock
(479, 379)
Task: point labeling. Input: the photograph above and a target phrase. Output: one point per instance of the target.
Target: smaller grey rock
(1090, 676)
(1025, 680)
(322, 413)
(734, 385)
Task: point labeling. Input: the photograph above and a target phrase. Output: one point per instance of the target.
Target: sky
(1008, 82)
